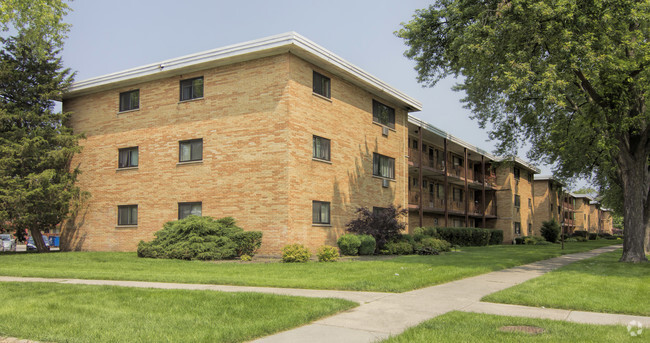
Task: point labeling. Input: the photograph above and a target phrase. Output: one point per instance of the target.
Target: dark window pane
(383, 166)
(321, 148)
(197, 150)
(191, 150)
(128, 157)
(127, 215)
(321, 85)
(383, 114)
(192, 88)
(129, 100)
(320, 212)
(186, 209)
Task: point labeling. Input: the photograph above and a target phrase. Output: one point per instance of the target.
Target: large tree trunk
(38, 240)
(634, 174)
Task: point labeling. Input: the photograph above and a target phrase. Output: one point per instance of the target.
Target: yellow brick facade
(509, 215)
(257, 120)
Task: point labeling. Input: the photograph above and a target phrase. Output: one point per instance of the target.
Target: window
(383, 114)
(130, 100)
(530, 177)
(321, 85)
(127, 215)
(192, 88)
(383, 166)
(378, 210)
(458, 194)
(441, 191)
(457, 161)
(415, 182)
(320, 212)
(530, 228)
(517, 201)
(128, 157)
(191, 150)
(321, 148)
(415, 143)
(530, 202)
(517, 228)
(186, 209)
(516, 172)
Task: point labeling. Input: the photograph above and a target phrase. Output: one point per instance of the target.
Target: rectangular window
(530, 177)
(517, 228)
(383, 114)
(186, 209)
(441, 191)
(127, 215)
(383, 166)
(192, 88)
(530, 229)
(415, 143)
(321, 85)
(378, 210)
(517, 173)
(530, 202)
(191, 150)
(517, 201)
(458, 194)
(320, 212)
(130, 100)
(128, 157)
(321, 148)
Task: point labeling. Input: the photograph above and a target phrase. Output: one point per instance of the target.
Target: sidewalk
(381, 315)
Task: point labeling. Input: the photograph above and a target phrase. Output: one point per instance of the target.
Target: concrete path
(383, 314)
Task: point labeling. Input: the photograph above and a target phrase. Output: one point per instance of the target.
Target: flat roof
(290, 42)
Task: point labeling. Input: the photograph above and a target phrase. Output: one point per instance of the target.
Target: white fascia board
(416, 121)
(273, 45)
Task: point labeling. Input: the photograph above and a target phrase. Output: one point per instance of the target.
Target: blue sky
(112, 35)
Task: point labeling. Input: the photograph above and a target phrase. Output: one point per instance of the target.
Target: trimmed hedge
(462, 236)
(496, 236)
(295, 253)
(349, 244)
(368, 245)
(580, 233)
(201, 238)
(327, 253)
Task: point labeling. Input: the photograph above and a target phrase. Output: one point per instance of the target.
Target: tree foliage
(36, 179)
(571, 77)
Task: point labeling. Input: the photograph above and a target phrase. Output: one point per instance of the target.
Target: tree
(383, 224)
(36, 148)
(550, 230)
(571, 77)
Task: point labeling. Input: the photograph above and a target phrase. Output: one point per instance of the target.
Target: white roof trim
(271, 45)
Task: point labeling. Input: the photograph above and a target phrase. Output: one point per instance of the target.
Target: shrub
(550, 230)
(464, 236)
(519, 240)
(399, 248)
(543, 243)
(436, 244)
(570, 240)
(421, 232)
(201, 238)
(385, 225)
(406, 238)
(245, 258)
(327, 253)
(349, 244)
(295, 253)
(580, 233)
(368, 245)
(496, 236)
(580, 238)
(593, 236)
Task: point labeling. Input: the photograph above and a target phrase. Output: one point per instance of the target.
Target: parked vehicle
(8, 243)
(32, 246)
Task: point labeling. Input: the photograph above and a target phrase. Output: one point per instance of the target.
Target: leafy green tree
(550, 230)
(570, 77)
(36, 148)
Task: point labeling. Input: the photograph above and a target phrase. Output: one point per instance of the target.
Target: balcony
(427, 161)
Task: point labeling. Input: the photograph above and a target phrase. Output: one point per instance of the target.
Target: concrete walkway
(381, 315)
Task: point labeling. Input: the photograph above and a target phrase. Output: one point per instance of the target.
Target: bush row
(462, 236)
(352, 244)
(300, 253)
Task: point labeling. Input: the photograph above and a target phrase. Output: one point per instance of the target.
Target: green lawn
(599, 284)
(381, 275)
(483, 328)
(80, 313)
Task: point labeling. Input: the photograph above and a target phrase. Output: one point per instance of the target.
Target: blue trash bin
(54, 241)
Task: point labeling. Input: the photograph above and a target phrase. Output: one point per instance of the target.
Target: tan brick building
(583, 212)
(553, 202)
(515, 199)
(278, 133)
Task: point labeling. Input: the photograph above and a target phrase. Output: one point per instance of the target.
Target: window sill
(321, 96)
(383, 178)
(126, 168)
(126, 226)
(127, 111)
(190, 100)
(189, 162)
(382, 125)
(320, 160)
(321, 225)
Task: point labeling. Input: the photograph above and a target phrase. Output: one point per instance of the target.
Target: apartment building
(553, 203)
(606, 220)
(583, 211)
(453, 183)
(279, 133)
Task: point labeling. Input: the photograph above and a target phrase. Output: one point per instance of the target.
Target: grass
(393, 275)
(598, 284)
(80, 313)
(483, 328)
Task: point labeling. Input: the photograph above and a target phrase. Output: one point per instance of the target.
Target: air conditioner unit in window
(385, 183)
(384, 131)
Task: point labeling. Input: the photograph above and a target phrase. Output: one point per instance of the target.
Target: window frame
(517, 227)
(377, 165)
(517, 200)
(191, 142)
(129, 219)
(328, 150)
(376, 107)
(319, 220)
(127, 96)
(191, 203)
(320, 77)
(128, 150)
(192, 95)
(516, 172)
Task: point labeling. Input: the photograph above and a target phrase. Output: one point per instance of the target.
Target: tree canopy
(570, 77)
